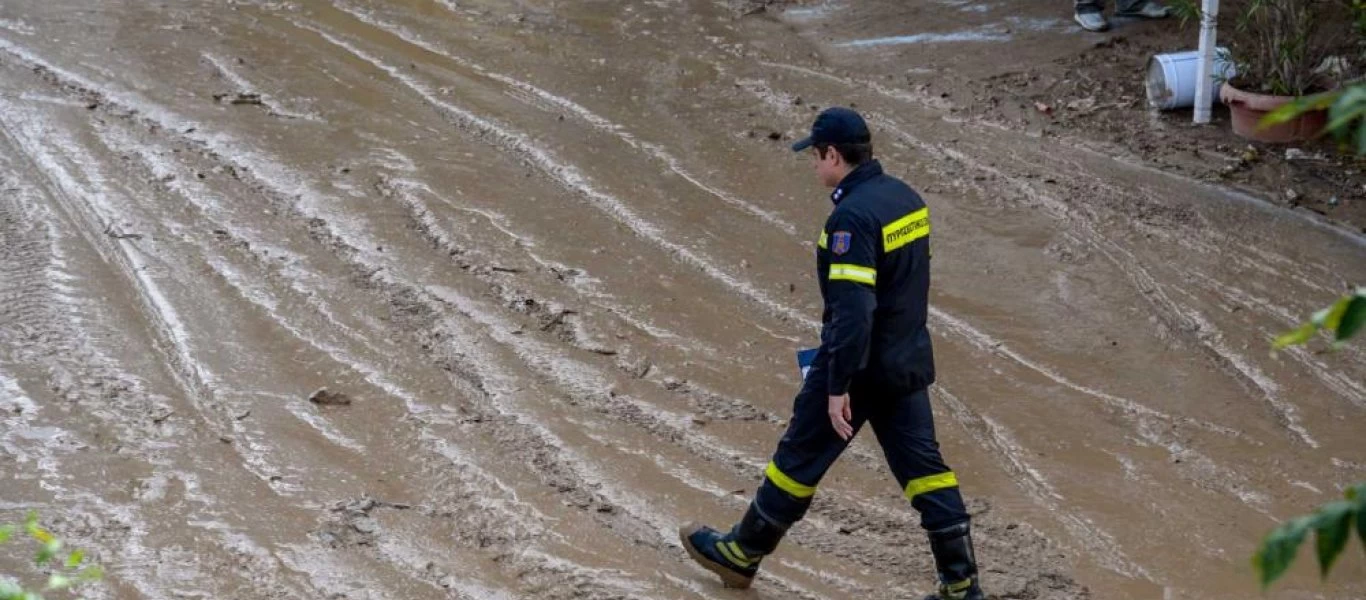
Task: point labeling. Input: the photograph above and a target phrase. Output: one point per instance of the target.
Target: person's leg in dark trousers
(805, 452)
(904, 424)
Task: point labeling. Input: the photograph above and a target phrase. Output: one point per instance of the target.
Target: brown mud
(551, 261)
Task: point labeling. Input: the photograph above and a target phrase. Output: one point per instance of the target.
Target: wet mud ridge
(344, 299)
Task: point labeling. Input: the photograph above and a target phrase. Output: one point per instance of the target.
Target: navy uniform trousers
(904, 425)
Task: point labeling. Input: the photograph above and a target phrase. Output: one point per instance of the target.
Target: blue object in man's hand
(805, 358)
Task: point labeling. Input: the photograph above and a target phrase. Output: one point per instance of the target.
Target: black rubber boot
(733, 556)
(957, 565)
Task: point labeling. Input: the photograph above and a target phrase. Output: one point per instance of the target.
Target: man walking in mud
(874, 366)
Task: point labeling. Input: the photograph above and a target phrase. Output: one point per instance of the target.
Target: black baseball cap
(836, 125)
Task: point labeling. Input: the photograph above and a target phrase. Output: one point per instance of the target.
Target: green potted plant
(1279, 47)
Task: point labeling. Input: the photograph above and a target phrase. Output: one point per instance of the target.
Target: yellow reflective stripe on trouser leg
(961, 586)
(856, 273)
(732, 552)
(925, 485)
(788, 484)
(823, 242)
(905, 230)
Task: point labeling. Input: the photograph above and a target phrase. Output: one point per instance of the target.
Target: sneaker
(1148, 10)
(1092, 21)
(715, 553)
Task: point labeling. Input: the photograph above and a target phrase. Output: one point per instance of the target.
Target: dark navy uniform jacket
(873, 261)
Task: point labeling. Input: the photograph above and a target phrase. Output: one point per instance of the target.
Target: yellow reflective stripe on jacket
(905, 230)
(788, 484)
(925, 485)
(856, 273)
(823, 242)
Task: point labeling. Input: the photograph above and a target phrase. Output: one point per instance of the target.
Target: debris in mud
(642, 370)
(1043, 108)
(239, 98)
(557, 320)
(775, 136)
(112, 231)
(322, 397)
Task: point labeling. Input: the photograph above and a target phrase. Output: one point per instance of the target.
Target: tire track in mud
(544, 453)
(583, 114)
(540, 450)
(572, 179)
(83, 377)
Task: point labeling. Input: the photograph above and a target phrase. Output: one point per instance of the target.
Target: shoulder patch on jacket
(839, 242)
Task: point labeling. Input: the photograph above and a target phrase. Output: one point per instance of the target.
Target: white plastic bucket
(1172, 77)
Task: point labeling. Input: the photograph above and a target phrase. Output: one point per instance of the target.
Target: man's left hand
(840, 415)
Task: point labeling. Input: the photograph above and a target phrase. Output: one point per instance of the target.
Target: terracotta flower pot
(1248, 108)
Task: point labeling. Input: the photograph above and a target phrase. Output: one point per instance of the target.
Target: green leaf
(1358, 494)
(1332, 529)
(1296, 337)
(49, 550)
(1278, 550)
(9, 589)
(1340, 121)
(1299, 106)
(1353, 318)
(5, 533)
(1361, 138)
(1329, 317)
(1361, 525)
(75, 559)
(90, 573)
(58, 582)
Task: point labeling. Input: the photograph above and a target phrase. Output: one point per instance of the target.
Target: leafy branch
(66, 571)
(1332, 522)
(1332, 527)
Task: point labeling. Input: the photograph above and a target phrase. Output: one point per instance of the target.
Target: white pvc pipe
(1204, 84)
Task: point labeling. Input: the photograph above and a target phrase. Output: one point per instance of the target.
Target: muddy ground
(551, 261)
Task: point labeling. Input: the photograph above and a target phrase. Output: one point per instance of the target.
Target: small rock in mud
(1292, 195)
(365, 525)
(322, 397)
